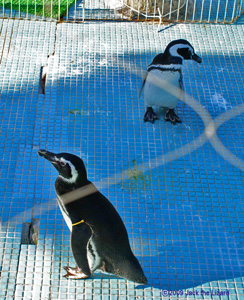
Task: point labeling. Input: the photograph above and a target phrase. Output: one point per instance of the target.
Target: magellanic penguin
(164, 75)
(99, 239)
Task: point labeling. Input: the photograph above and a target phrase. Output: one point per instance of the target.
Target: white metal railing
(225, 11)
(214, 11)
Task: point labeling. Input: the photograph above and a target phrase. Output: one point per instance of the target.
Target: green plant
(47, 8)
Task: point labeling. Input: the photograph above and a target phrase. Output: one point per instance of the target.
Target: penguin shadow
(167, 27)
(197, 253)
(182, 276)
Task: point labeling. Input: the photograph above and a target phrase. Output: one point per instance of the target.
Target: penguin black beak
(197, 58)
(47, 155)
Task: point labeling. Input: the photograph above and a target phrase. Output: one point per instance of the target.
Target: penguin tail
(133, 271)
(138, 276)
(128, 268)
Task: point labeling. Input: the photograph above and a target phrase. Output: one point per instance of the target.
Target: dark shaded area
(29, 235)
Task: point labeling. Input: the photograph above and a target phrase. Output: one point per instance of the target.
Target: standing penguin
(163, 74)
(99, 239)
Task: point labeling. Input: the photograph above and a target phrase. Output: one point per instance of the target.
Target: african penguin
(162, 83)
(99, 239)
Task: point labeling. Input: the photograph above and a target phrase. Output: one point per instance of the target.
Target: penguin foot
(150, 115)
(74, 273)
(172, 117)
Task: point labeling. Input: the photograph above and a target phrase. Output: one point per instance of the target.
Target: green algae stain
(135, 179)
(75, 112)
(134, 173)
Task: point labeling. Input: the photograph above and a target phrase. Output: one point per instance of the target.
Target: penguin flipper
(181, 86)
(143, 83)
(80, 237)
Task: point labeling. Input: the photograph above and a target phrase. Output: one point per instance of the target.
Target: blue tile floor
(179, 189)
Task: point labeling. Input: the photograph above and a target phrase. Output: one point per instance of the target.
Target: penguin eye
(62, 164)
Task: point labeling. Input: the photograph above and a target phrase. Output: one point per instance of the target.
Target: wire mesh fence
(211, 11)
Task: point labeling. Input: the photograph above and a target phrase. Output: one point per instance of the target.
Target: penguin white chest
(158, 88)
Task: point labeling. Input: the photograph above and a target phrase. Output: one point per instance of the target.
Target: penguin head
(70, 167)
(181, 49)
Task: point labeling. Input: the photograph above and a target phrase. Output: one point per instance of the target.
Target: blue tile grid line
(184, 216)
